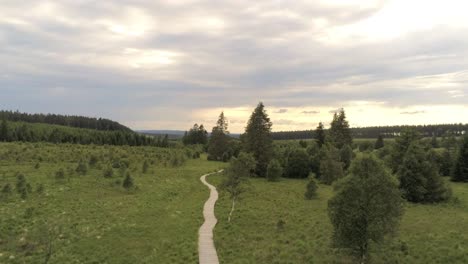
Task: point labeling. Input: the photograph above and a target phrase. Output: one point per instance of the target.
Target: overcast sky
(168, 64)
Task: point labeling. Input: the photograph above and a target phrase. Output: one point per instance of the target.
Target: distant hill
(65, 120)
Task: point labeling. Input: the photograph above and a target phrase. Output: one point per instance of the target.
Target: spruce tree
(258, 139)
(402, 143)
(218, 145)
(320, 135)
(275, 171)
(420, 181)
(460, 172)
(346, 156)
(311, 189)
(340, 133)
(128, 181)
(379, 143)
(4, 131)
(367, 206)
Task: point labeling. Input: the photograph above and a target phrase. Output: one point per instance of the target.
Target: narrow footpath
(206, 248)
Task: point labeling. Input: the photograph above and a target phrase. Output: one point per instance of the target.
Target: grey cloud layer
(64, 58)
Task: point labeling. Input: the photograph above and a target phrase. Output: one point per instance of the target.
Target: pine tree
(379, 143)
(165, 141)
(311, 189)
(340, 133)
(420, 181)
(346, 156)
(128, 181)
(367, 206)
(320, 135)
(218, 145)
(258, 139)
(4, 131)
(460, 172)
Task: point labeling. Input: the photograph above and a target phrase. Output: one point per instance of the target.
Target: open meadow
(74, 213)
(273, 223)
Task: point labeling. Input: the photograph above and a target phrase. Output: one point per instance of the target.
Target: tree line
(26, 132)
(371, 185)
(64, 120)
(385, 131)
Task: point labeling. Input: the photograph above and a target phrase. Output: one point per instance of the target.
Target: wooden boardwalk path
(206, 248)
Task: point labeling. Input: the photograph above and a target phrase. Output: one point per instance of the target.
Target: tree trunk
(232, 209)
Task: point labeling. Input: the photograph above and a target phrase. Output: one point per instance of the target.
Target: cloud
(413, 112)
(153, 64)
(281, 111)
(310, 112)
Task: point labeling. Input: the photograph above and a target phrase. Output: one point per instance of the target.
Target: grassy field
(273, 223)
(92, 219)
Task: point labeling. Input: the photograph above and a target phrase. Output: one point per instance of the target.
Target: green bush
(274, 170)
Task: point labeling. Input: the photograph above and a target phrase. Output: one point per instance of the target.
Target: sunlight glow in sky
(169, 64)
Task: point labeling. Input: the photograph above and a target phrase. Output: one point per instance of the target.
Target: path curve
(206, 248)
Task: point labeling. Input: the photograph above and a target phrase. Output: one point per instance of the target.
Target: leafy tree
(340, 133)
(460, 172)
(302, 143)
(258, 140)
(346, 156)
(320, 135)
(219, 140)
(379, 143)
(314, 153)
(311, 189)
(298, 165)
(274, 171)
(419, 178)
(366, 207)
(128, 181)
(238, 171)
(331, 168)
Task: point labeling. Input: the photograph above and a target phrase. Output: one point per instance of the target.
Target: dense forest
(27, 132)
(64, 120)
(385, 131)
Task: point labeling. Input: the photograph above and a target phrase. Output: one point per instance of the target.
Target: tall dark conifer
(460, 172)
(320, 135)
(340, 133)
(258, 139)
(218, 145)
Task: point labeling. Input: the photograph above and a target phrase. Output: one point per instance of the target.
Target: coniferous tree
(165, 141)
(128, 181)
(219, 140)
(340, 133)
(346, 156)
(311, 189)
(402, 143)
(367, 206)
(379, 143)
(460, 172)
(258, 140)
(4, 131)
(320, 135)
(419, 177)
